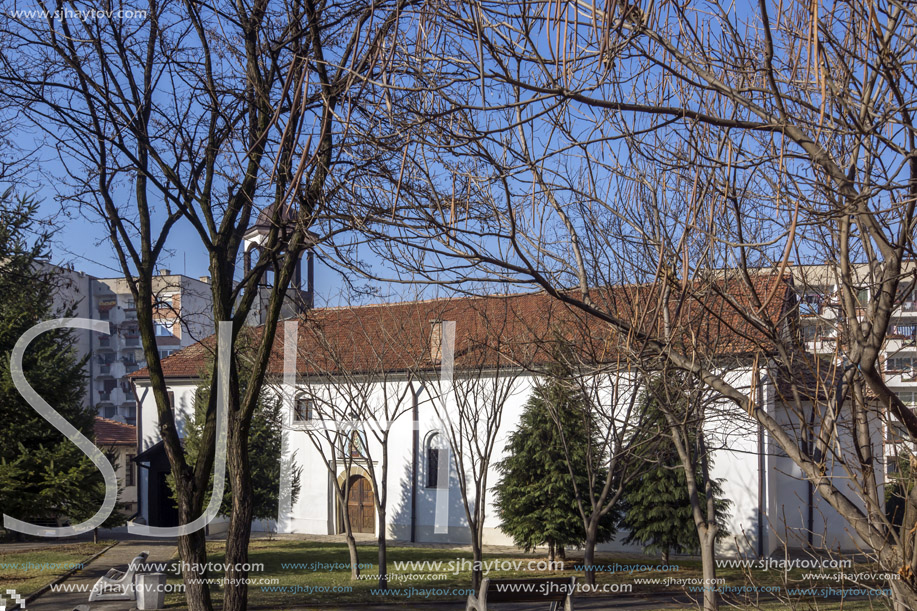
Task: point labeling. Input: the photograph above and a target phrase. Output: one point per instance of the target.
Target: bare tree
(609, 421)
(367, 395)
(481, 371)
(212, 115)
(330, 429)
(571, 136)
(687, 410)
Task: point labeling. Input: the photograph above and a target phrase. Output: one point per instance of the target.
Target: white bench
(118, 585)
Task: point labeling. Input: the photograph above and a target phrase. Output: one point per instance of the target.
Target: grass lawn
(27, 571)
(309, 573)
(855, 605)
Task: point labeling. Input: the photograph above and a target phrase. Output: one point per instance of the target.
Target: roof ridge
(430, 300)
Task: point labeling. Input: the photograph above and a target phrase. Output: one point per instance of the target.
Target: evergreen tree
(534, 496)
(658, 512)
(43, 476)
(264, 445)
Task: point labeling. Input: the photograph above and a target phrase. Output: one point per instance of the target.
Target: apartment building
(183, 315)
(819, 308)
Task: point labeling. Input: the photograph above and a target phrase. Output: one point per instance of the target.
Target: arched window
(434, 452)
(302, 409)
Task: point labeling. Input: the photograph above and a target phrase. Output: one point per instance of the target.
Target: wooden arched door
(360, 506)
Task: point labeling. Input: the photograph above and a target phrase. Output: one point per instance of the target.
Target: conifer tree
(534, 496)
(43, 476)
(658, 512)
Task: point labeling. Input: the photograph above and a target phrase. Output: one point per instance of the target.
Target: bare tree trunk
(354, 558)
(351, 547)
(383, 561)
(240, 521)
(193, 552)
(903, 597)
(708, 565)
(550, 550)
(592, 534)
(477, 557)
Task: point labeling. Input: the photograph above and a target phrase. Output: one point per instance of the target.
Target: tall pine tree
(534, 496)
(43, 476)
(658, 512)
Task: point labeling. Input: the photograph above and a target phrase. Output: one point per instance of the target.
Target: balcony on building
(105, 368)
(105, 343)
(128, 411)
(131, 337)
(818, 335)
(901, 369)
(907, 302)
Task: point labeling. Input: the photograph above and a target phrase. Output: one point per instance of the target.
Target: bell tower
(301, 295)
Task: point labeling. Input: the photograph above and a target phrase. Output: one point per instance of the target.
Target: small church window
(434, 453)
(302, 411)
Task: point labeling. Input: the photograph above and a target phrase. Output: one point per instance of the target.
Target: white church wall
(183, 392)
(732, 435)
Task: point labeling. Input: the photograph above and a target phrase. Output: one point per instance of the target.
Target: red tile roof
(513, 329)
(114, 433)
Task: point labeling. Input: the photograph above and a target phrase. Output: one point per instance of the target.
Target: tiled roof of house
(114, 433)
(522, 329)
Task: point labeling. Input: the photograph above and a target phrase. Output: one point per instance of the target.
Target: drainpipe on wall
(91, 340)
(139, 425)
(415, 442)
(810, 489)
(762, 489)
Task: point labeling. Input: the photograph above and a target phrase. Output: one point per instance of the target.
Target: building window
(129, 470)
(171, 396)
(164, 329)
(302, 410)
(905, 365)
(434, 453)
(903, 331)
(810, 304)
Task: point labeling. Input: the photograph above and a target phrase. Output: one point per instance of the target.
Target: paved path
(119, 557)
(637, 603)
